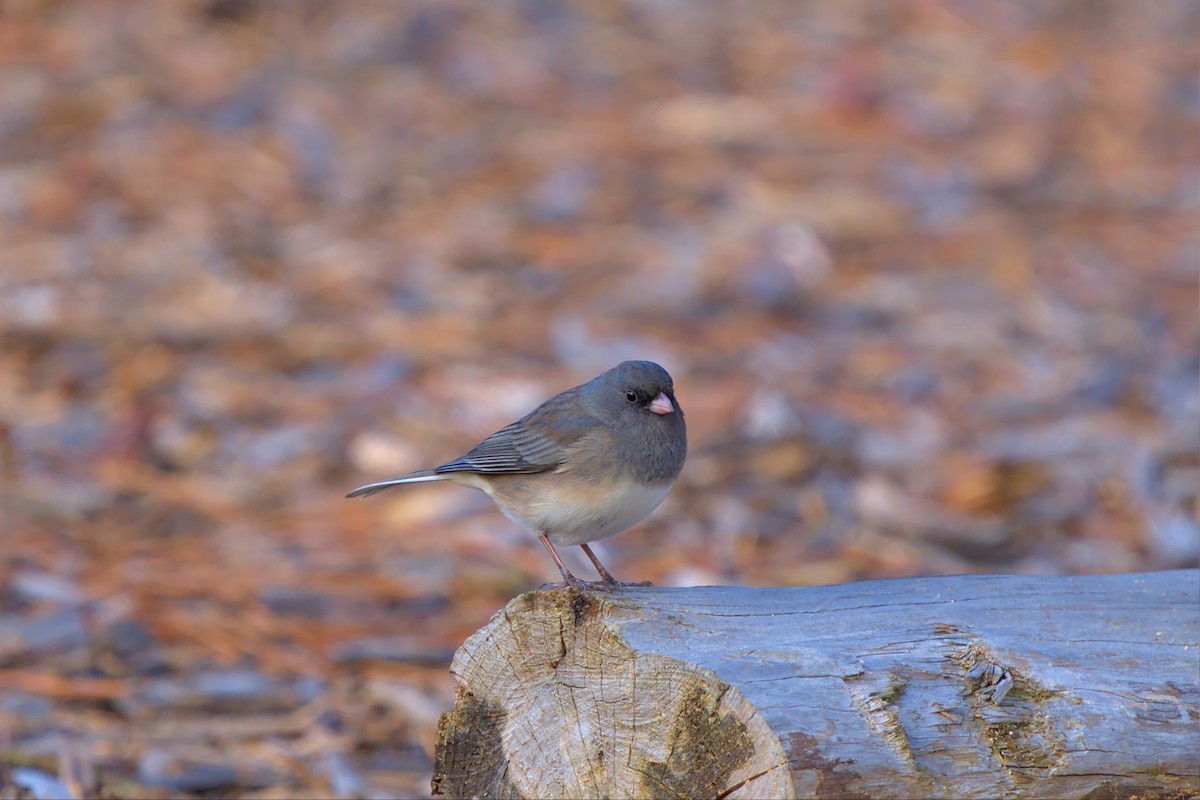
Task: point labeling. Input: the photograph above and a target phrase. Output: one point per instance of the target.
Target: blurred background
(925, 274)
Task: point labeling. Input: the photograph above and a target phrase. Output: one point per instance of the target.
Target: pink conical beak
(661, 404)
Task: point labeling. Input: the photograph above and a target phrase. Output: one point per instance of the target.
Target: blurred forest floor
(925, 273)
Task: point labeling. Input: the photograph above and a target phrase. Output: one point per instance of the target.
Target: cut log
(967, 686)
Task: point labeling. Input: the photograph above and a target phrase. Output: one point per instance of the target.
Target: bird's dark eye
(631, 396)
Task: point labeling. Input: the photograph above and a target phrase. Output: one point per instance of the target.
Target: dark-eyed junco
(585, 464)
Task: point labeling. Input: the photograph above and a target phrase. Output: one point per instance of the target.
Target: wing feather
(514, 449)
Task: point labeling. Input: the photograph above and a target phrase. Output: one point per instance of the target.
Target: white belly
(579, 517)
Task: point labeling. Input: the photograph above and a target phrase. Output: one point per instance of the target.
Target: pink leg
(608, 578)
(566, 573)
(571, 580)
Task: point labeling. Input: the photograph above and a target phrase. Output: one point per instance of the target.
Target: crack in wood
(661, 689)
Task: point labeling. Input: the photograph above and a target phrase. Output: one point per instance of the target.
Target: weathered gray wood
(860, 690)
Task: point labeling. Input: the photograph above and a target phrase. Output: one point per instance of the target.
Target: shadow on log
(968, 686)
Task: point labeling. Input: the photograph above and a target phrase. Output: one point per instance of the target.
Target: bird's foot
(595, 586)
(616, 584)
(576, 583)
(612, 582)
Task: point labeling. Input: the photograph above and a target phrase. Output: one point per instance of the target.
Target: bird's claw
(595, 586)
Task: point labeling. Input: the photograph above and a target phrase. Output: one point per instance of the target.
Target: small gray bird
(584, 465)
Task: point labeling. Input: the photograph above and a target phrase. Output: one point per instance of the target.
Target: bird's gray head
(637, 388)
(638, 398)
(636, 393)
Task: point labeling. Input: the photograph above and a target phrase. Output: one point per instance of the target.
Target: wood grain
(876, 689)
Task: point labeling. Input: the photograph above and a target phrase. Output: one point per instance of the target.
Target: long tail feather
(419, 476)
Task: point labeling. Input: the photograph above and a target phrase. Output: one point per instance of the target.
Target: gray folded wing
(513, 450)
